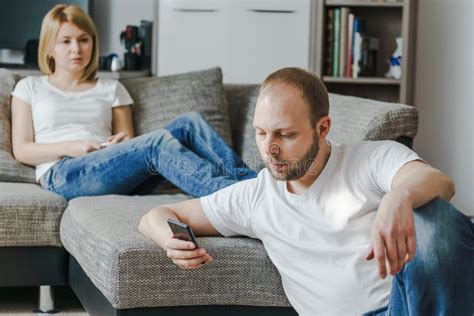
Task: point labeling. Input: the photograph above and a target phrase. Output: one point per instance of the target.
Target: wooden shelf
(362, 3)
(385, 20)
(122, 74)
(363, 80)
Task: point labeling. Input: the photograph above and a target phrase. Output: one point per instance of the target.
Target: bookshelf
(385, 20)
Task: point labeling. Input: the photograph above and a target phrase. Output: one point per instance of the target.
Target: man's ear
(323, 126)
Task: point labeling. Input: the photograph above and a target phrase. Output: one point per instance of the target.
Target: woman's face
(73, 49)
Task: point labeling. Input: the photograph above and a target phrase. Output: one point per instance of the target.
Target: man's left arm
(393, 230)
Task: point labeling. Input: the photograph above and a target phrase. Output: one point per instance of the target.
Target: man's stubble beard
(297, 168)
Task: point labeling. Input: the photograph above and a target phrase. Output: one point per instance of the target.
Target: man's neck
(302, 184)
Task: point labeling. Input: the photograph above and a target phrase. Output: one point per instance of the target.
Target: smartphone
(104, 144)
(182, 231)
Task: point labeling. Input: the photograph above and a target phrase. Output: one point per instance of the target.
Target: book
(336, 42)
(329, 42)
(343, 39)
(359, 33)
(368, 59)
(350, 37)
(356, 46)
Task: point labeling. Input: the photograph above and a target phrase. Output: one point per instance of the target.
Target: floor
(22, 301)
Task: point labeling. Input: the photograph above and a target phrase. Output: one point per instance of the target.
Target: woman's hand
(117, 138)
(80, 148)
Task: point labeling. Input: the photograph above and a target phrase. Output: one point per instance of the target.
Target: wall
(112, 16)
(444, 92)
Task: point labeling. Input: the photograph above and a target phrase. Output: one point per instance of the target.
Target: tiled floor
(22, 301)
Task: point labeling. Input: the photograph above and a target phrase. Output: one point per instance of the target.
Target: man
(324, 211)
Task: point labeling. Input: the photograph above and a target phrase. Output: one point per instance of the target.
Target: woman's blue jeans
(440, 279)
(188, 153)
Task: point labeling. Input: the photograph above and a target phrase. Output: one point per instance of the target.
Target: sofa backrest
(10, 169)
(353, 119)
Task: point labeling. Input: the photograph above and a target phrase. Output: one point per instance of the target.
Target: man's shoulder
(354, 154)
(368, 146)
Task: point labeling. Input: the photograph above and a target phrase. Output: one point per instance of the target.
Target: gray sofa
(92, 243)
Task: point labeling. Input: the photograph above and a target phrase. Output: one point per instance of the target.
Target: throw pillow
(10, 169)
(158, 100)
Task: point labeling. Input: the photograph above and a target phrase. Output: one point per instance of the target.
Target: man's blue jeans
(440, 279)
(188, 153)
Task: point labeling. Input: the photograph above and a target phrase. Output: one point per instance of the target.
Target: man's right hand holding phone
(185, 254)
(170, 227)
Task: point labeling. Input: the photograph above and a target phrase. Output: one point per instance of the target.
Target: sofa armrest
(356, 119)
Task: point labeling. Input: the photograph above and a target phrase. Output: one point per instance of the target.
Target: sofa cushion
(10, 169)
(242, 100)
(158, 100)
(353, 120)
(29, 215)
(132, 271)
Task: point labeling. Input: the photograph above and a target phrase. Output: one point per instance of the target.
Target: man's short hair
(312, 89)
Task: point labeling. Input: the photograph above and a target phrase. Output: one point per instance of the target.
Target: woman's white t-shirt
(65, 115)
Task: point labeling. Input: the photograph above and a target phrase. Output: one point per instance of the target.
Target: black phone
(182, 231)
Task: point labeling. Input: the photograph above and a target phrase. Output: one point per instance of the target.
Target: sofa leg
(46, 300)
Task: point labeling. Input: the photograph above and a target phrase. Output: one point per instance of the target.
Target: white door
(191, 35)
(268, 35)
(248, 39)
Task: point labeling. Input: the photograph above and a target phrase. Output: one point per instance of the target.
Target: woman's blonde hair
(58, 15)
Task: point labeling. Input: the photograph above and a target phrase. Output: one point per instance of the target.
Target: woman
(77, 130)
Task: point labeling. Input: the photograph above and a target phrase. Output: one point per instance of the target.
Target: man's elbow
(447, 188)
(142, 226)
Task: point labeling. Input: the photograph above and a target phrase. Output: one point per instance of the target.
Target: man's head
(291, 122)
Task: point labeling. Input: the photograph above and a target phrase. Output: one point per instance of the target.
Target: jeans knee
(190, 118)
(160, 136)
(441, 230)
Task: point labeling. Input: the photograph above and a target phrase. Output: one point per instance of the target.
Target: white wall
(444, 92)
(112, 16)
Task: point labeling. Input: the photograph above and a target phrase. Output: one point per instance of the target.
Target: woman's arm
(122, 124)
(28, 152)
(122, 120)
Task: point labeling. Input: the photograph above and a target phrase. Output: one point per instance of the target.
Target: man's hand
(393, 234)
(185, 255)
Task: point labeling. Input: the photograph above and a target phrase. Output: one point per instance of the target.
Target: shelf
(122, 74)
(362, 80)
(362, 3)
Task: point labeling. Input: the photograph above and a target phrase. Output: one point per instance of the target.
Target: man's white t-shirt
(318, 240)
(65, 116)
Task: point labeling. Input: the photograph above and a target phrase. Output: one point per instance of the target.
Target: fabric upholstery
(353, 119)
(242, 100)
(29, 215)
(10, 169)
(132, 271)
(356, 119)
(158, 100)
